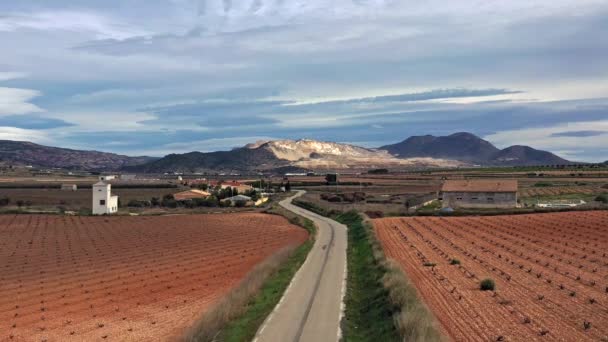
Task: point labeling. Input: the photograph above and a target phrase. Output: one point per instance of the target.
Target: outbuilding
(103, 201)
(479, 194)
(69, 187)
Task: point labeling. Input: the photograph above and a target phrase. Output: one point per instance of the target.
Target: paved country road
(312, 306)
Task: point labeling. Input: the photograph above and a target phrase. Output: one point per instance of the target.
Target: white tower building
(103, 201)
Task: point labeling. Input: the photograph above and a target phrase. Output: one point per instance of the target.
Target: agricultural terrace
(71, 278)
(550, 273)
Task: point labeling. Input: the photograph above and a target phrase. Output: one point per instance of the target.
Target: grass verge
(239, 314)
(381, 303)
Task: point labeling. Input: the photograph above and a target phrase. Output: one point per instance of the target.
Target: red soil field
(551, 273)
(74, 278)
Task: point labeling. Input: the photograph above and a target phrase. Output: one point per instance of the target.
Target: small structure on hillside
(105, 178)
(239, 200)
(69, 187)
(103, 201)
(479, 194)
(190, 194)
(127, 177)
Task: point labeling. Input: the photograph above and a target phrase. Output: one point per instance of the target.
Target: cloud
(71, 21)
(16, 101)
(19, 134)
(559, 138)
(32, 122)
(589, 133)
(5, 76)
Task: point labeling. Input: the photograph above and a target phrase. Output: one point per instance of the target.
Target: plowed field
(76, 278)
(551, 273)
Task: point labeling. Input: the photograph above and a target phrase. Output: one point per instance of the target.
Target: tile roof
(479, 186)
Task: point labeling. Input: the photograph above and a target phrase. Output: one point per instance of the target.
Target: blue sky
(156, 77)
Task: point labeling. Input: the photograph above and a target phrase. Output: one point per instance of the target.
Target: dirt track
(551, 273)
(124, 278)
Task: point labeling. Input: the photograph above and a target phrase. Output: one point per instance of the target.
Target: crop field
(73, 278)
(561, 190)
(550, 272)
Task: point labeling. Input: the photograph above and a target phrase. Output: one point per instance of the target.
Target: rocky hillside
(281, 154)
(26, 153)
(468, 147)
(525, 155)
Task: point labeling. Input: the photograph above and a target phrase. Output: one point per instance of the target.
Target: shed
(69, 187)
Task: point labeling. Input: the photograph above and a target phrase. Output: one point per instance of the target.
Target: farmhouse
(69, 187)
(103, 201)
(240, 187)
(479, 194)
(190, 194)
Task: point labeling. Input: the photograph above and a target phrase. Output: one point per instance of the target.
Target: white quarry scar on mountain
(320, 154)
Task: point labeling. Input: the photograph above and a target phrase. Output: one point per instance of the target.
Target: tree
(20, 203)
(5, 201)
(155, 201)
(287, 186)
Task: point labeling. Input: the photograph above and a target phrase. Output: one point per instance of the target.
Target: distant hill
(239, 159)
(525, 155)
(26, 153)
(470, 148)
(459, 146)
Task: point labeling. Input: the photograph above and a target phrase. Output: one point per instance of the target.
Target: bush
(602, 198)
(5, 201)
(487, 285)
(543, 184)
(138, 204)
(169, 203)
(454, 262)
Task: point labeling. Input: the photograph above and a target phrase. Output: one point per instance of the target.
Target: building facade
(479, 194)
(103, 201)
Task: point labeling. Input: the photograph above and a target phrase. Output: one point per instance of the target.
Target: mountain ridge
(454, 150)
(27, 153)
(468, 147)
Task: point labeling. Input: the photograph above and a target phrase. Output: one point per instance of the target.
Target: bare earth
(550, 270)
(125, 278)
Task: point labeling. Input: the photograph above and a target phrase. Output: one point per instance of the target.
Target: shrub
(5, 201)
(429, 264)
(138, 204)
(487, 285)
(454, 262)
(543, 184)
(602, 198)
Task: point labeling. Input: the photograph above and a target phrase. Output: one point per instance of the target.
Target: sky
(146, 77)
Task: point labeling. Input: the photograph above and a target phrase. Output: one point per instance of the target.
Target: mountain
(468, 147)
(27, 153)
(241, 159)
(294, 155)
(459, 146)
(525, 155)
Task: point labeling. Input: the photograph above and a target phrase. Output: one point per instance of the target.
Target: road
(312, 306)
